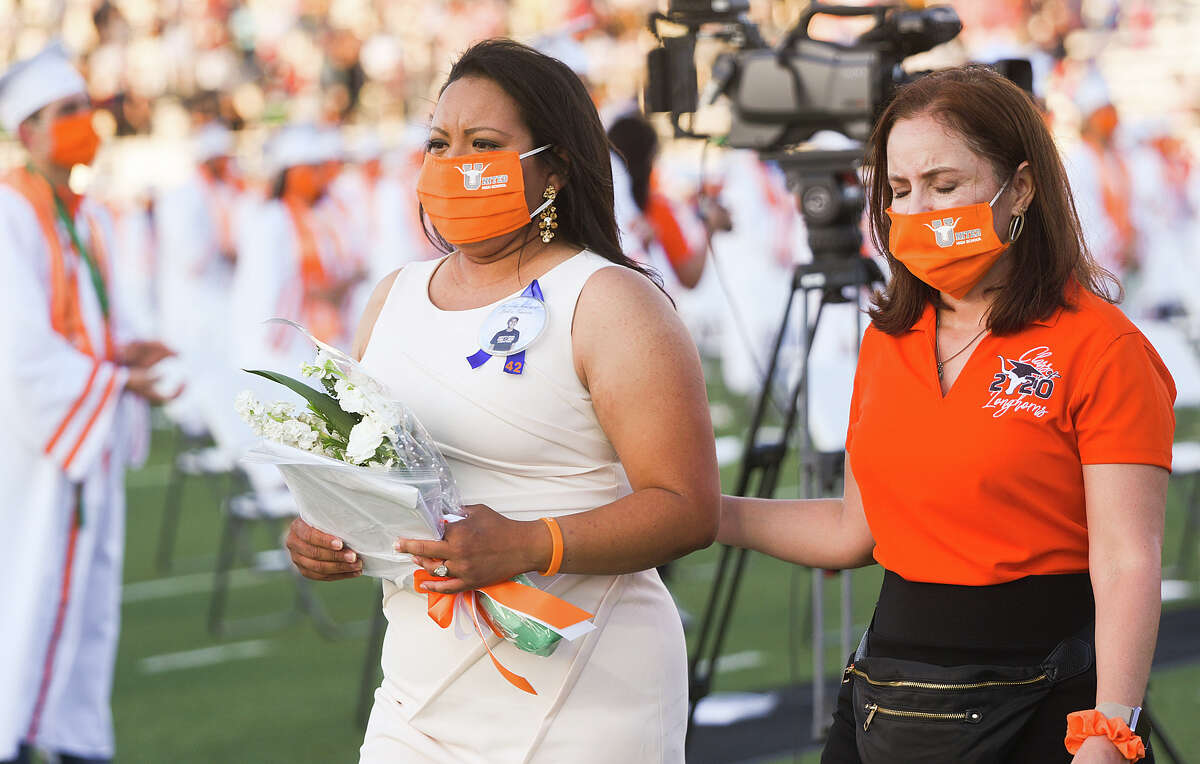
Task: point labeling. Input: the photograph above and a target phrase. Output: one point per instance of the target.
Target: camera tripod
(831, 202)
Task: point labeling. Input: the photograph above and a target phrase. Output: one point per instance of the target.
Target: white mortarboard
(211, 141)
(293, 145)
(35, 82)
(1091, 93)
(329, 144)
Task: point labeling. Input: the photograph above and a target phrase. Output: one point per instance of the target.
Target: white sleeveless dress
(528, 446)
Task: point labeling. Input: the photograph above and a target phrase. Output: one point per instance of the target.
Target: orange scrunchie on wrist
(1084, 724)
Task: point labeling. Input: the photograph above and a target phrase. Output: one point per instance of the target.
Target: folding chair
(191, 458)
(243, 512)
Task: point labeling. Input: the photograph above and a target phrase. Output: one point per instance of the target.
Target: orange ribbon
(528, 600)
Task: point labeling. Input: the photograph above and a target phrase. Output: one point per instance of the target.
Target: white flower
(351, 398)
(281, 410)
(246, 405)
(272, 430)
(364, 439)
(299, 434)
(315, 422)
(324, 366)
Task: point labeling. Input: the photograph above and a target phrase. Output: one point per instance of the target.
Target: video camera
(780, 96)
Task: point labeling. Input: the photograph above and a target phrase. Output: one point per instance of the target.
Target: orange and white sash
(66, 318)
(321, 316)
(65, 315)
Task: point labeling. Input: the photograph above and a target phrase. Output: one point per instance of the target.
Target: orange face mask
(475, 197)
(304, 181)
(73, 140)
(950, 250)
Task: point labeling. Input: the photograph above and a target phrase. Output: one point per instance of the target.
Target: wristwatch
(1138, 722)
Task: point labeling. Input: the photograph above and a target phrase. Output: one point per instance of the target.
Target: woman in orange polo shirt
(1007, 457)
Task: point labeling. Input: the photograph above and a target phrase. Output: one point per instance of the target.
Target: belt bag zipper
(969, 716)
(852, 671)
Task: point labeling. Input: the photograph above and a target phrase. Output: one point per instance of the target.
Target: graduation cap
(1022, 369)
(35, 82)
(211, 141)
(1091, 94)
(302, 143)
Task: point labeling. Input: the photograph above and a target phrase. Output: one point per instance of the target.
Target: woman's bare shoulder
(618, 291)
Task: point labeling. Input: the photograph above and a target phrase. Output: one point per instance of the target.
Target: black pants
(1012, 624)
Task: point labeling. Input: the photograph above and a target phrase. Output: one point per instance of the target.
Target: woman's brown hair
(1000, 123)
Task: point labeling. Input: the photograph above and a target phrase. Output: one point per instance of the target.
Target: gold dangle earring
(549, 216)
(1016, 226)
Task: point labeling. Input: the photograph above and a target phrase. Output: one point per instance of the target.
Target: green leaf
(326, 406)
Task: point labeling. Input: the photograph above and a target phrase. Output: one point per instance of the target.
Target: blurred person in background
(73, 389)
(379, 209)
(288, 263)
(1165, 200)
(338, 222)
(755, 261)
(663, 233)
(1101, 182)
(1008, 452)
(197, 229)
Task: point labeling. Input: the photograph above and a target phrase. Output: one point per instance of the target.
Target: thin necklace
(941, 364)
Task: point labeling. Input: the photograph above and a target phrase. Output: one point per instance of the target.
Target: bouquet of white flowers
(361, 467)
(358, 463)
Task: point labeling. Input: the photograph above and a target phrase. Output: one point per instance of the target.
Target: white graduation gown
(266, 284)
(194, 287)
(1165, 219)
(1099, 232)
(68, 423)
(752, 262)
(381, 218)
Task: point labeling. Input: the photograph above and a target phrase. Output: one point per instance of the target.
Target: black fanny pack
(907, 711)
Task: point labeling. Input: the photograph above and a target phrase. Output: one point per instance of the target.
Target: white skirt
(617, 694)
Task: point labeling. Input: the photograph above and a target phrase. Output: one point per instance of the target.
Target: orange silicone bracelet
(556, 555)
(1084, 724)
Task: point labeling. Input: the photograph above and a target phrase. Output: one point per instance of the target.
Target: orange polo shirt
(985, 484)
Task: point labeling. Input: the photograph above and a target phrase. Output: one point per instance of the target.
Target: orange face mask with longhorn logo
(950, 250)
(475, 197)
(73, 140)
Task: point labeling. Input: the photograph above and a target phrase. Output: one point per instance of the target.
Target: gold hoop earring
(549, 216)
(1016, 226)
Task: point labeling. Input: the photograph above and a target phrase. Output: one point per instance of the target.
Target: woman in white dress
(605, 428)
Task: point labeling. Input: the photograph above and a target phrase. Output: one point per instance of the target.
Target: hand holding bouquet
(361, 467)
(358, 463)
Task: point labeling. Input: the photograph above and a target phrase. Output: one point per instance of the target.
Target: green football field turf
(289, 695)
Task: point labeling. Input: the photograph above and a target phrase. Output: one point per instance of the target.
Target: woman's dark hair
(636, 141)
(558, 111)
(1000, 123)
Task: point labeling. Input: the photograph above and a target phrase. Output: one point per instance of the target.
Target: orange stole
(321, 316)
(65, 315)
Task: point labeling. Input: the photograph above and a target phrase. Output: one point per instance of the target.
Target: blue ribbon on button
(516, 361)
